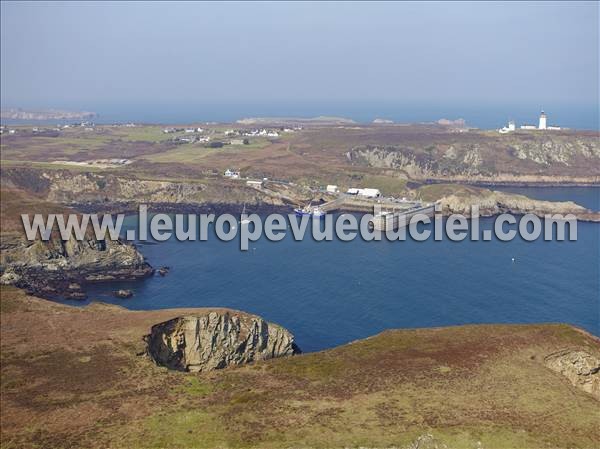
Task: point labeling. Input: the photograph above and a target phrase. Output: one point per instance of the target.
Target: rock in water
(124, 293)
(217, 340)
(163, 271)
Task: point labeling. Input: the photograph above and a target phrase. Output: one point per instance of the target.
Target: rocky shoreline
(58, 269)
(62, 269)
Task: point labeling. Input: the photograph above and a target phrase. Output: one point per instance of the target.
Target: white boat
(244, 221)
(313, 211)
(317, 212)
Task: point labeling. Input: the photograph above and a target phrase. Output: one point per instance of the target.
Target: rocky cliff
(103, 189)
(56, 267)
(522, 157)
(582, 369)
(61, 268)
(217, 340)
(458, 199)
(495, 202)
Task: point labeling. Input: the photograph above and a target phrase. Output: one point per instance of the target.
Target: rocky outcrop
(96, 187)
(101, 190)
(60, 268)
(581, 368)
(217, 340)
(538, 157)
(494, 202)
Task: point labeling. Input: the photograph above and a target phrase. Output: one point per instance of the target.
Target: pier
(389, 213)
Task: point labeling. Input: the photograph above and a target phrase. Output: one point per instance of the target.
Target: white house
(367, 193)
(332, 189)
(507, 129)
(232, 174)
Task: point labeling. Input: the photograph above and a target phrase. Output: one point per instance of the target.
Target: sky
(86, 55)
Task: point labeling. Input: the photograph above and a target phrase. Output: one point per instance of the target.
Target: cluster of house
(542, 125)
(179, 130)
(261, 132)
(88, 126)
(4, 129)
(233, 174)
(75, 125)
(264, 132)
(191, 139)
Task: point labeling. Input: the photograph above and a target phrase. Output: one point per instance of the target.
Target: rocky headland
(217, 340)
(562, 158)
(57, 268)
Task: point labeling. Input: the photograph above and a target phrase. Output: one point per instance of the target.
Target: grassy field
(191, 153)
(321, 155)
(72, 377)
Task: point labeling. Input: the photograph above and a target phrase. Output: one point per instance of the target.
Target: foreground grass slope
(74, 377)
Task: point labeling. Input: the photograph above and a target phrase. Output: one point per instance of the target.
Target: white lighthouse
(542, 124)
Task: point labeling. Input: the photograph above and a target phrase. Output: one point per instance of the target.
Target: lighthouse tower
(542, 124)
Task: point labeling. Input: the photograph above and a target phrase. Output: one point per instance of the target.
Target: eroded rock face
(53, 268)
(217, 340)
(581, 368)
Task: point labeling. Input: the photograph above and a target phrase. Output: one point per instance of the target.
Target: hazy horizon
(103, 56)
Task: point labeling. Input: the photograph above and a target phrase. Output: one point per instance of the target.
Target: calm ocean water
(484, 116)
(330, 293)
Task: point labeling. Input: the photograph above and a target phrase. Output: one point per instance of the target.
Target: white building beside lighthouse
(542, 124)
(506, 129)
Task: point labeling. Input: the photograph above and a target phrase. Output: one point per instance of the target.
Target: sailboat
(244, 221)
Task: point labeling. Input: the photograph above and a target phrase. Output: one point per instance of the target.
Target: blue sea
(330, 293)
(484, 116)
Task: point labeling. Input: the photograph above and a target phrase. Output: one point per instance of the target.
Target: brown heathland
(74, 377)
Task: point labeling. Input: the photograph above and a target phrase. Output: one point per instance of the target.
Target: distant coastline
(44, 114)
(575, 117)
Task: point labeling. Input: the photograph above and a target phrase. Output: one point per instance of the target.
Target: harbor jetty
(390, 213)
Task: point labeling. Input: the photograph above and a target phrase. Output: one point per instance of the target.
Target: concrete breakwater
(394, 219)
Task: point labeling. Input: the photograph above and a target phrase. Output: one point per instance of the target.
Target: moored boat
(312, 211)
